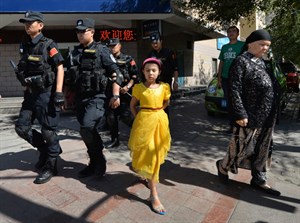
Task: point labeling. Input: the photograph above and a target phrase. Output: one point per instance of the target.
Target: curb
(12, 105)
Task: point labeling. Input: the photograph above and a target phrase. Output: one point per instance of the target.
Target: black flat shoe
(224, 179)
(265, 189)
(113, 143)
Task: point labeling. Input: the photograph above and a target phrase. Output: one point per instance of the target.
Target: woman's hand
(242, 122)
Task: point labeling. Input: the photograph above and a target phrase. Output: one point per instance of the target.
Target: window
(214, 66)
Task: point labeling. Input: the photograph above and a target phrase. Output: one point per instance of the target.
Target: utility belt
(91, 94)
(35, 82)
(39, 90)
(39, 82)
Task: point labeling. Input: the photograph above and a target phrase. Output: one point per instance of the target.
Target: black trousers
(89, 112)
(38, 105)
(122, 113)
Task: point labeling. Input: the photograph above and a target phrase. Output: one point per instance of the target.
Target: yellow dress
(150, 138)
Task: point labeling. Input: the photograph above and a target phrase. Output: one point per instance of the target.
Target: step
(10, 105)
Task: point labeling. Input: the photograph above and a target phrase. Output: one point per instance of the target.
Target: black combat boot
(100, 167)
(88, 171)
(49, 170)
(113, 143)
(97, 167)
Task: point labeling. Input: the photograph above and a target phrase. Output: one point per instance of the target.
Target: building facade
(131, 21)
(206, 52)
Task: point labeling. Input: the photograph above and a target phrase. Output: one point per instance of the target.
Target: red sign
(124, 35)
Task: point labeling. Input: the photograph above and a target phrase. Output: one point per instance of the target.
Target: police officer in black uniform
(129, 70)
(168, 59)
(41, 72)
(92, 66)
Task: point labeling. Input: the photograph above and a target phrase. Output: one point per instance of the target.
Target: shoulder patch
(132, 63)
(52, 52)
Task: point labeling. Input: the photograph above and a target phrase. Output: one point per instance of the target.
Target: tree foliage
(285, 29)
(219, 14)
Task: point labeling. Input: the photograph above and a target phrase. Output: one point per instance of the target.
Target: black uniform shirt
(168, 59)
(54, 57)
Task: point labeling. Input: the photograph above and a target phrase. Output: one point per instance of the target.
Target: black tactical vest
(36, 70)
(123, 62)
(91, 78)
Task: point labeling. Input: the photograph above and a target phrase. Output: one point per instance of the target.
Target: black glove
(59, 99)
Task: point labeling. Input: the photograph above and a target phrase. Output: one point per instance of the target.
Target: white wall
(9, 85)
(204, 53)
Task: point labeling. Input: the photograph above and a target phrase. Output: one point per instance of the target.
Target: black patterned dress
(253, 95)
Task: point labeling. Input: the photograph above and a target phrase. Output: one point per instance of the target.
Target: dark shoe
(97, 169)
(87, 171)
(100, 168)
(49, 170)
(113, 143)
(224, 179)
(264, 188)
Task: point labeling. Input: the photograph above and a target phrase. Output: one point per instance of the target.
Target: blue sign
(221, 42)
(111, 6)
(149, 27)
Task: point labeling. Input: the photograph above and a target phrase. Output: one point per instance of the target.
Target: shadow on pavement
(114, 185)
(26, 211)
(171, 172)
(23, 160)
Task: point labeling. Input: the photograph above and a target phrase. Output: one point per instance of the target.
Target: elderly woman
(253, 100)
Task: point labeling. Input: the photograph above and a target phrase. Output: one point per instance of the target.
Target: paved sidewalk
(189, 187)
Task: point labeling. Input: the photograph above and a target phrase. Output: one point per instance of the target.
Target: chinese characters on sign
(125, 35)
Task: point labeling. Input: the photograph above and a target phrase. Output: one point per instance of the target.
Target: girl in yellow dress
(150, 137)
